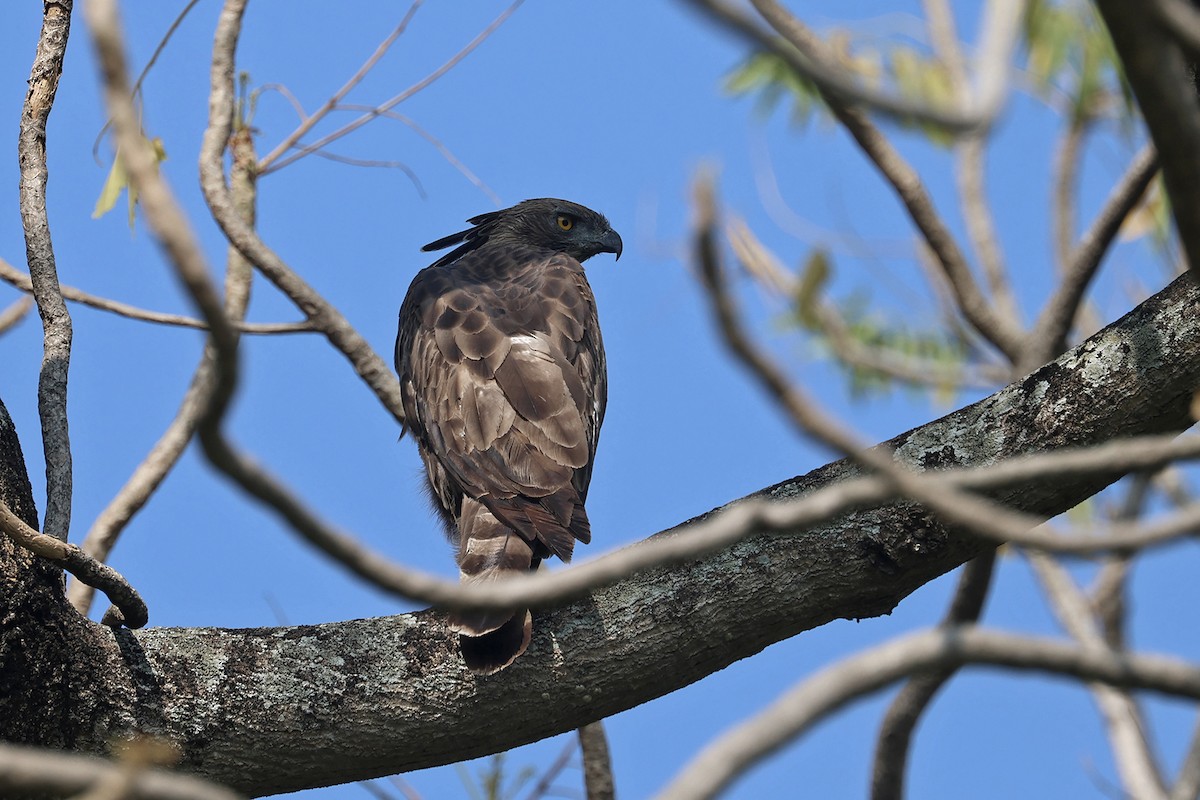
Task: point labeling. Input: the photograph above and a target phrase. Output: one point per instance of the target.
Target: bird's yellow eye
(565, 222)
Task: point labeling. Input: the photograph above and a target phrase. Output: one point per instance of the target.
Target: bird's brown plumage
(503, 377)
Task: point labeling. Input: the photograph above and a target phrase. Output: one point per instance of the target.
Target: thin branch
(307, 122)
(981, 229)
(20, 280)
(1187, 784)
(158, 51)
(376, 163)
(718, 531)
(129, 609)
(438, 145)
(904, 180)
(765, 268)
(829, 690)
(30, 770)
(976, 515)
(375, 373)
(39, 254)
(269, 163)
(161, 459)
(546, 781)
(145, 480)
(1000, 27)
(597, 764)
(1064, 203)
(1109, 588)
(969, 165)
(1049, 334)
(894, 742)
(14, 313)
(165, 217)
(1139, 771)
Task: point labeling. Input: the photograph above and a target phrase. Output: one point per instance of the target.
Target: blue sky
(614, 105)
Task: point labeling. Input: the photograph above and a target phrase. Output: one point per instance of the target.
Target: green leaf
(114, 184)
(814, 275)
(118, 181)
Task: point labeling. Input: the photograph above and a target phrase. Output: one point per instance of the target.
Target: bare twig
(597, 765)
(163, 214)
(129, 609)
(765, 268)
(16, 278)
(1139, 771)
(39, 253)
(375, 373)
(269, 163)
(892, 746)
(28, 770)
(145, 480)
(1187, 784)
(1000, 27)
(546, 781)
(158, 51)
(981, 228)
(1049, 334)
(308, 122)
(974, 514)
(161, 459)
(1064, 205)
(832, 688)
(974, 306)
(438, 145)
(1109, 588)
(969, 171)
(14, 313)
(376, 164)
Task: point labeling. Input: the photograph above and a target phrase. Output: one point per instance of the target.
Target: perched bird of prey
(503, 377)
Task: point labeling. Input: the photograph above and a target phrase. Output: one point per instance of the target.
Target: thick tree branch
(315, 705)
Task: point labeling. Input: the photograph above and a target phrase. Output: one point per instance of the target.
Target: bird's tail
(487, 549)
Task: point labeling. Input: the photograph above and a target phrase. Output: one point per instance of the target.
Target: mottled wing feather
(503, 373)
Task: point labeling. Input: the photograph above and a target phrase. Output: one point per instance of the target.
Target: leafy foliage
(1069, 52)
(852, 322)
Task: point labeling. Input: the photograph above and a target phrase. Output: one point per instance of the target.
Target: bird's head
(562, 226)
(558, 225)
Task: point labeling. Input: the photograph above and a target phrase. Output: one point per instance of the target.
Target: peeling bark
(270, 710)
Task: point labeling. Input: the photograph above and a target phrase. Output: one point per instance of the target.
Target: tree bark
(270, 710)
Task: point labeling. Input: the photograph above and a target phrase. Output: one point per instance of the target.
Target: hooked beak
(610, 242)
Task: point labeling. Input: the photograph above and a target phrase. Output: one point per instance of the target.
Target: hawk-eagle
(503, 378)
